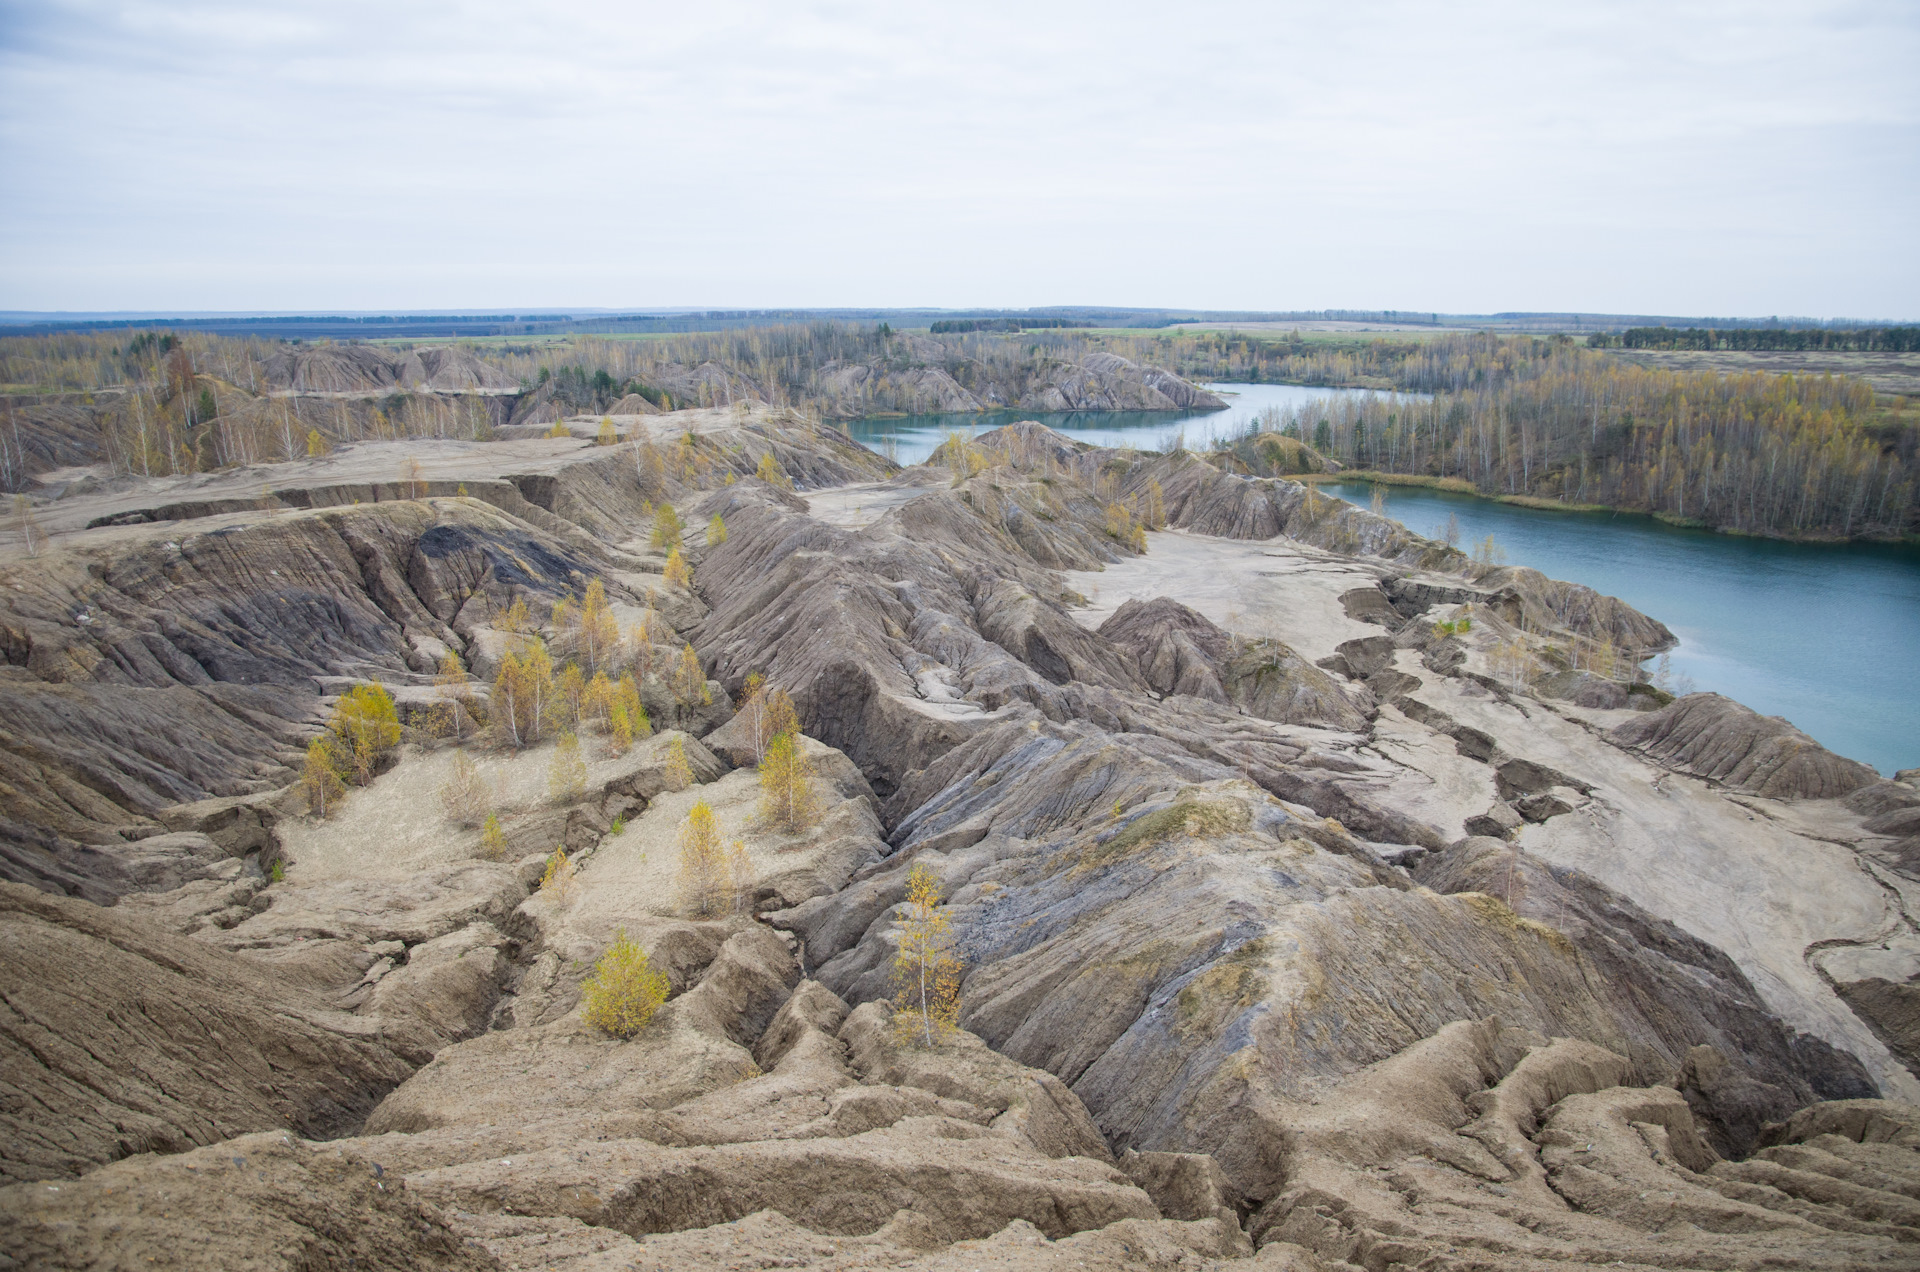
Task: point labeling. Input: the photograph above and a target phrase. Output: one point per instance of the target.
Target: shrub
(787, 799)
(493, 840)
(559, 429)
(772, 473)
(624, 991)
(1156, 506)
(464, 796)
(561, 877)
(926, 975)
(567, 772)
(740, 875)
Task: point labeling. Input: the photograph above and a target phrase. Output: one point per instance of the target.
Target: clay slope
(119, 1038)
(1237, 973)
(1082, 813)
(364, 369)
(1717, 738)
(173, 645)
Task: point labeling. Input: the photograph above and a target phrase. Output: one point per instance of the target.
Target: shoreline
(1460, 486)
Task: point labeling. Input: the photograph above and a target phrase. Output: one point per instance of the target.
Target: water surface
(1827, 635)
(914, 437)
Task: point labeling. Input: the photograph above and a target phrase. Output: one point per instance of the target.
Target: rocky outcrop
(1716, 738)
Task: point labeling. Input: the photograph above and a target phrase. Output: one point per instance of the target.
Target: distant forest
(1793, 339)
(1793, 455)
(1768, 454)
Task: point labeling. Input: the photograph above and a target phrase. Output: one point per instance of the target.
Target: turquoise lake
(1827, 635)
(909, 439)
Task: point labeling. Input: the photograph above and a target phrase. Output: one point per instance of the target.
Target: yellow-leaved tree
(703, 863)
(1156, 506)
(689, 682)
(753, 714)
(363, 727)
(320, 780)
(628, 696)
(787, 798)
(926, 974)
(562, 877)
(599, 635)
(679, 773)
(666, 527)
(606, 436)
(716, 531)
(678, 572)
(624, 990)
(770, 472)
(781, 717)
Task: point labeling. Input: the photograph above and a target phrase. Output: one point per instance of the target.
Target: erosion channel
(1320, 902)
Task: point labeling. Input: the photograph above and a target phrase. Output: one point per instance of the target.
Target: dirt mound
(1533, 1153)
(261, 1201)
(1716, 738)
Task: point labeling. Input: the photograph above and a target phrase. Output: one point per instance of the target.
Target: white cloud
(1656, 157)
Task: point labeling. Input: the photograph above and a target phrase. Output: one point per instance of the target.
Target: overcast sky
(1743, 158)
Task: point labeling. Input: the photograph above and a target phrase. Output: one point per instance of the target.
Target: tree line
(1796, 455)
(1793, 339)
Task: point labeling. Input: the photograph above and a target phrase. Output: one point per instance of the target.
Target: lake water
(914, 437)
(1827, 635)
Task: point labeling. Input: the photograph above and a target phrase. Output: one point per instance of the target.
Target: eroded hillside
(1321, 900)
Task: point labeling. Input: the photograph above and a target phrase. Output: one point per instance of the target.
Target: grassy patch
(1197, 818)
(1222, 992)
(1496, 911)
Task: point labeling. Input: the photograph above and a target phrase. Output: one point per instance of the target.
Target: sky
(1745, 158)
